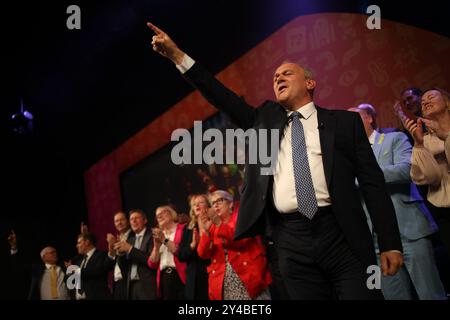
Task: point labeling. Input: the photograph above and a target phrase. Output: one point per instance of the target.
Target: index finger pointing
(154, 28)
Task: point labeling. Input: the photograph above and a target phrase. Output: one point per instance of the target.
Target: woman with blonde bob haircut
(196, 275)
(171, 275)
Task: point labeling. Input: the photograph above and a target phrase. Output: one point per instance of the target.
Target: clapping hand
(195, 238)
(83, 228)
(416, 131)
(158, 236)
(111, 239)
(204, 223)
(122, 246)
(434, 128)
(12, 240)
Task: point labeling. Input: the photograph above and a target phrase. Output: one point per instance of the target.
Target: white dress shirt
(46, 288)
(284, 196)
(166, 257)
(134, 275)
(117, 272)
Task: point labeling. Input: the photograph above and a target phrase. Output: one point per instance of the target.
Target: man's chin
(282, 101)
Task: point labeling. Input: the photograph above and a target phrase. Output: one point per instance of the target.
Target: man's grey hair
(370, 110)
(45, 250)
(309, 74)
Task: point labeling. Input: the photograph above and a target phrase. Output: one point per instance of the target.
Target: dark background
(91, 89)
(157, 181)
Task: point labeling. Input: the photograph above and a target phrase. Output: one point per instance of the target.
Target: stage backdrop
(351, 64)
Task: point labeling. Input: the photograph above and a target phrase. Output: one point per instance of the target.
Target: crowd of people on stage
(196, 257)
(345, 195)
(170, 260)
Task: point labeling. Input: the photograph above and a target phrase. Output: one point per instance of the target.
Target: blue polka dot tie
(304, 188)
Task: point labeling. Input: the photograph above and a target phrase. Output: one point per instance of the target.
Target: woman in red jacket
(239, 269)
(171, 275)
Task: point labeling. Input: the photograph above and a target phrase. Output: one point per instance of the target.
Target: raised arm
(212, 89)
(165, 46)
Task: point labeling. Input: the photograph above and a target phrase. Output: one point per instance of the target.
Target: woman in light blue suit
(419, 277)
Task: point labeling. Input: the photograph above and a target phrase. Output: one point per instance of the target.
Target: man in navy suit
(135, 251)
(323, 242)
(94, 268)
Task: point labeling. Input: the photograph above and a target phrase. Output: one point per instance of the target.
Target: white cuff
(186, 64)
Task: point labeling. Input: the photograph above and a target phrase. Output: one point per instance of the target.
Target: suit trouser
(418, 277)
(315, 260)
(277, 288)
(142, 290)
(119, 290)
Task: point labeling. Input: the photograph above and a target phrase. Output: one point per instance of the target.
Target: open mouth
(281, 88)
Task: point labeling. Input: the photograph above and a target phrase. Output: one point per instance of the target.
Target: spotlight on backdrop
(22, 122)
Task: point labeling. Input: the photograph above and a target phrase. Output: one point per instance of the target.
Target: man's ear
(310, 84)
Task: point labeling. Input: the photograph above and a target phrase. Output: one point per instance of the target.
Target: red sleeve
(226, 232)
(205, 245)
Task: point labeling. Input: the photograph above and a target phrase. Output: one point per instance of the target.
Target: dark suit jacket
(196, 274)
(140, 257)
(94, 276)
(346, 155)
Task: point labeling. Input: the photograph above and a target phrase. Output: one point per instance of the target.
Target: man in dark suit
(48, 281)
(119, 287)
(94, 268)
(141, 279)
(310, 205)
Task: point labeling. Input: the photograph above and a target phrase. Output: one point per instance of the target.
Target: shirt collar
(373, 136)
(48, 266)
(90, 253)
(306, 110)
(141, 234)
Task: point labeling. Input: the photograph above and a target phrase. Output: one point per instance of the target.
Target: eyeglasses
(218, 201)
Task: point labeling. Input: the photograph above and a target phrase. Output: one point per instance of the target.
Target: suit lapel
(145, 240)
(327, 125)
(280, 121)
(91, 259)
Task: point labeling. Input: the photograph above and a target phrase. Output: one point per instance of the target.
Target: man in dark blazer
(119, 286)
(94, 268)
(325, 250)
(141, 279)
